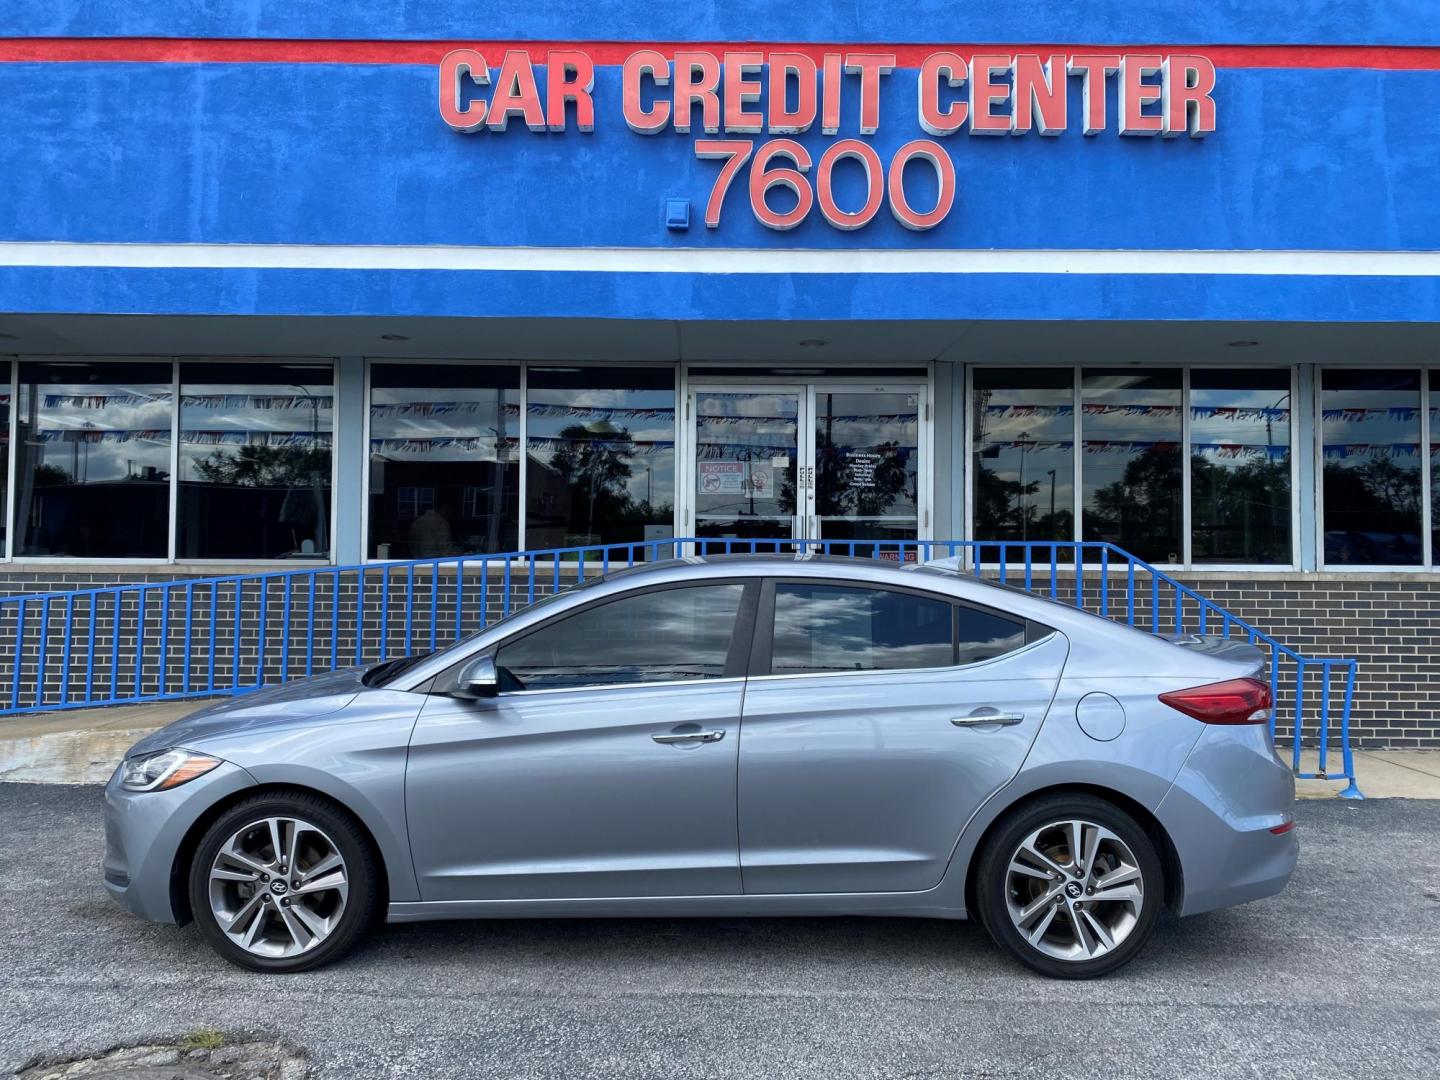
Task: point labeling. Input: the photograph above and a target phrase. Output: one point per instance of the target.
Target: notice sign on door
(860, 466)
(722, 478)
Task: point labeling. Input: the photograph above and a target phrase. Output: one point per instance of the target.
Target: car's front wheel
(283, 882)
(1070, 885)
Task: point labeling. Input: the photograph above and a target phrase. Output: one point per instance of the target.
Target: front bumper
(144, 831)
(1230, 794)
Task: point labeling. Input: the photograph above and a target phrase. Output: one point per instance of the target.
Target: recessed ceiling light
(814, 343)
(394, 337)
(1243, 344)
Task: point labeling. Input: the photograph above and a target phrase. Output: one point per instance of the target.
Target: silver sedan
(734, 736)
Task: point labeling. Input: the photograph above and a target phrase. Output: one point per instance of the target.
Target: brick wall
(1389, 622)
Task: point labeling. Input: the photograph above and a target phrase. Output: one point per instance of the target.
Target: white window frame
(169, 559)
(1427, 555)
(1186, 514)
(523, 492)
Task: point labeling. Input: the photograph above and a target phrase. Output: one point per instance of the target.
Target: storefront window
(1370, 424)
(601, 455)
(93, 475)
(1131, 468)
(444, 459)
(255, 460)
(6, 372)
(1024, 471)
(1240, 465)
(1434, 406)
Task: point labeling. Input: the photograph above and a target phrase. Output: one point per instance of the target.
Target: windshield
(386, 673)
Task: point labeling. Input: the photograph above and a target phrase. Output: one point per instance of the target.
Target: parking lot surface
(1337, 977)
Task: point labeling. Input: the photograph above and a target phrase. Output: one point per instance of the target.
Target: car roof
(758, 564)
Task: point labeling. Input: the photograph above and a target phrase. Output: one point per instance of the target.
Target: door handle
(690, 736)
(982, 719)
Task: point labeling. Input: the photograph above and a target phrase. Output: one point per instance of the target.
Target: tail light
(1235, 701)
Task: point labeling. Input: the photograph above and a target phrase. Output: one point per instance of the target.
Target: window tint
(1370, 425)
(1024, 424)
(255, 453)
(444, 459)
(93, 473)
(1130, 431)
(984, 635)
(662, 636)
(822, 628)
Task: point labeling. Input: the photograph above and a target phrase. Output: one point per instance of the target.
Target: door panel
(744, 470)
(862, 782)
(565, 793)
(867, 464)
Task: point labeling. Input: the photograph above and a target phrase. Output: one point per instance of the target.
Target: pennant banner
(101, 401)
(1029, 410)
(1402, 413)
(258, 401)
(255, 438)
(1339, 451)
(1236, 412)
(95, 435)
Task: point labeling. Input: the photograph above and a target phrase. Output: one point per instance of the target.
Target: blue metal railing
(203, 637)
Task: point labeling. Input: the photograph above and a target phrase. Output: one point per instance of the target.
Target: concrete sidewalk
(82, 746)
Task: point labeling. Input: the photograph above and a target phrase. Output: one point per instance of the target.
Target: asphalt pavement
(1337, 977)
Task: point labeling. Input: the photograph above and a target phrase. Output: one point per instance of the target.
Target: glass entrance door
(867, 463)
(745, 453)
(839, 460)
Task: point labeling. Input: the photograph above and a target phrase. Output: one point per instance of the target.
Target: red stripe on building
(271, 51)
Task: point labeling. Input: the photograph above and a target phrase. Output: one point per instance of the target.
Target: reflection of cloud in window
(671, 634)
(93, 458)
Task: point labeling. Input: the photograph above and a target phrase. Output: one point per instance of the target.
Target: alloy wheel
(278, 887)
(1074, 890)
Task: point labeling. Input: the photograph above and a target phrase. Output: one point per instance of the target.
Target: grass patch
(203, 1039)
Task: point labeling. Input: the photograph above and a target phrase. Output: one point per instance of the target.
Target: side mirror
(480, 679)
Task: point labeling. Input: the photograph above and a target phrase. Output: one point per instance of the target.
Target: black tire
(362, 872)
(992, 884)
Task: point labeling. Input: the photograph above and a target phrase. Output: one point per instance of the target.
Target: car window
(984, 635)
(665, 635)
(834, 628)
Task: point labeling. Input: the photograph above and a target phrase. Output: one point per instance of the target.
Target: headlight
(165, 769)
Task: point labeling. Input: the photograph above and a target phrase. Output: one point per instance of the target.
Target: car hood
(291, 702)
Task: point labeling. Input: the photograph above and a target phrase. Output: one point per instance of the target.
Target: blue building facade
(287, 282)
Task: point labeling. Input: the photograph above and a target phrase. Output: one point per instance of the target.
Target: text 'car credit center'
(328, 287)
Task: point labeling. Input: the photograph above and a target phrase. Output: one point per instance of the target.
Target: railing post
(1352, 790)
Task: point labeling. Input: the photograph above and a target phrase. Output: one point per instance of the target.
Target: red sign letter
(570, 76)
(869, 66)
(1134, 94)
(783, 120)
(830, 94)
(697, 74)
(1186, 102)
(952, 69)
(455, 68)
(637, 66)
(1093, 70)
(1040, 93)
(983, 91)
(516, 94)
(741, 91)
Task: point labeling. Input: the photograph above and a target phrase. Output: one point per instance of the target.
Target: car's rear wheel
(1070, 886)
(283, 882)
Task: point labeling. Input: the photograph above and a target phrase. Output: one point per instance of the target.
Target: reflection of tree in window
(1372, 480)
(593, 461)
(1144, 503)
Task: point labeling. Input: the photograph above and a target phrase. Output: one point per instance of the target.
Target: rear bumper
(144, 831)
(1220, 813)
